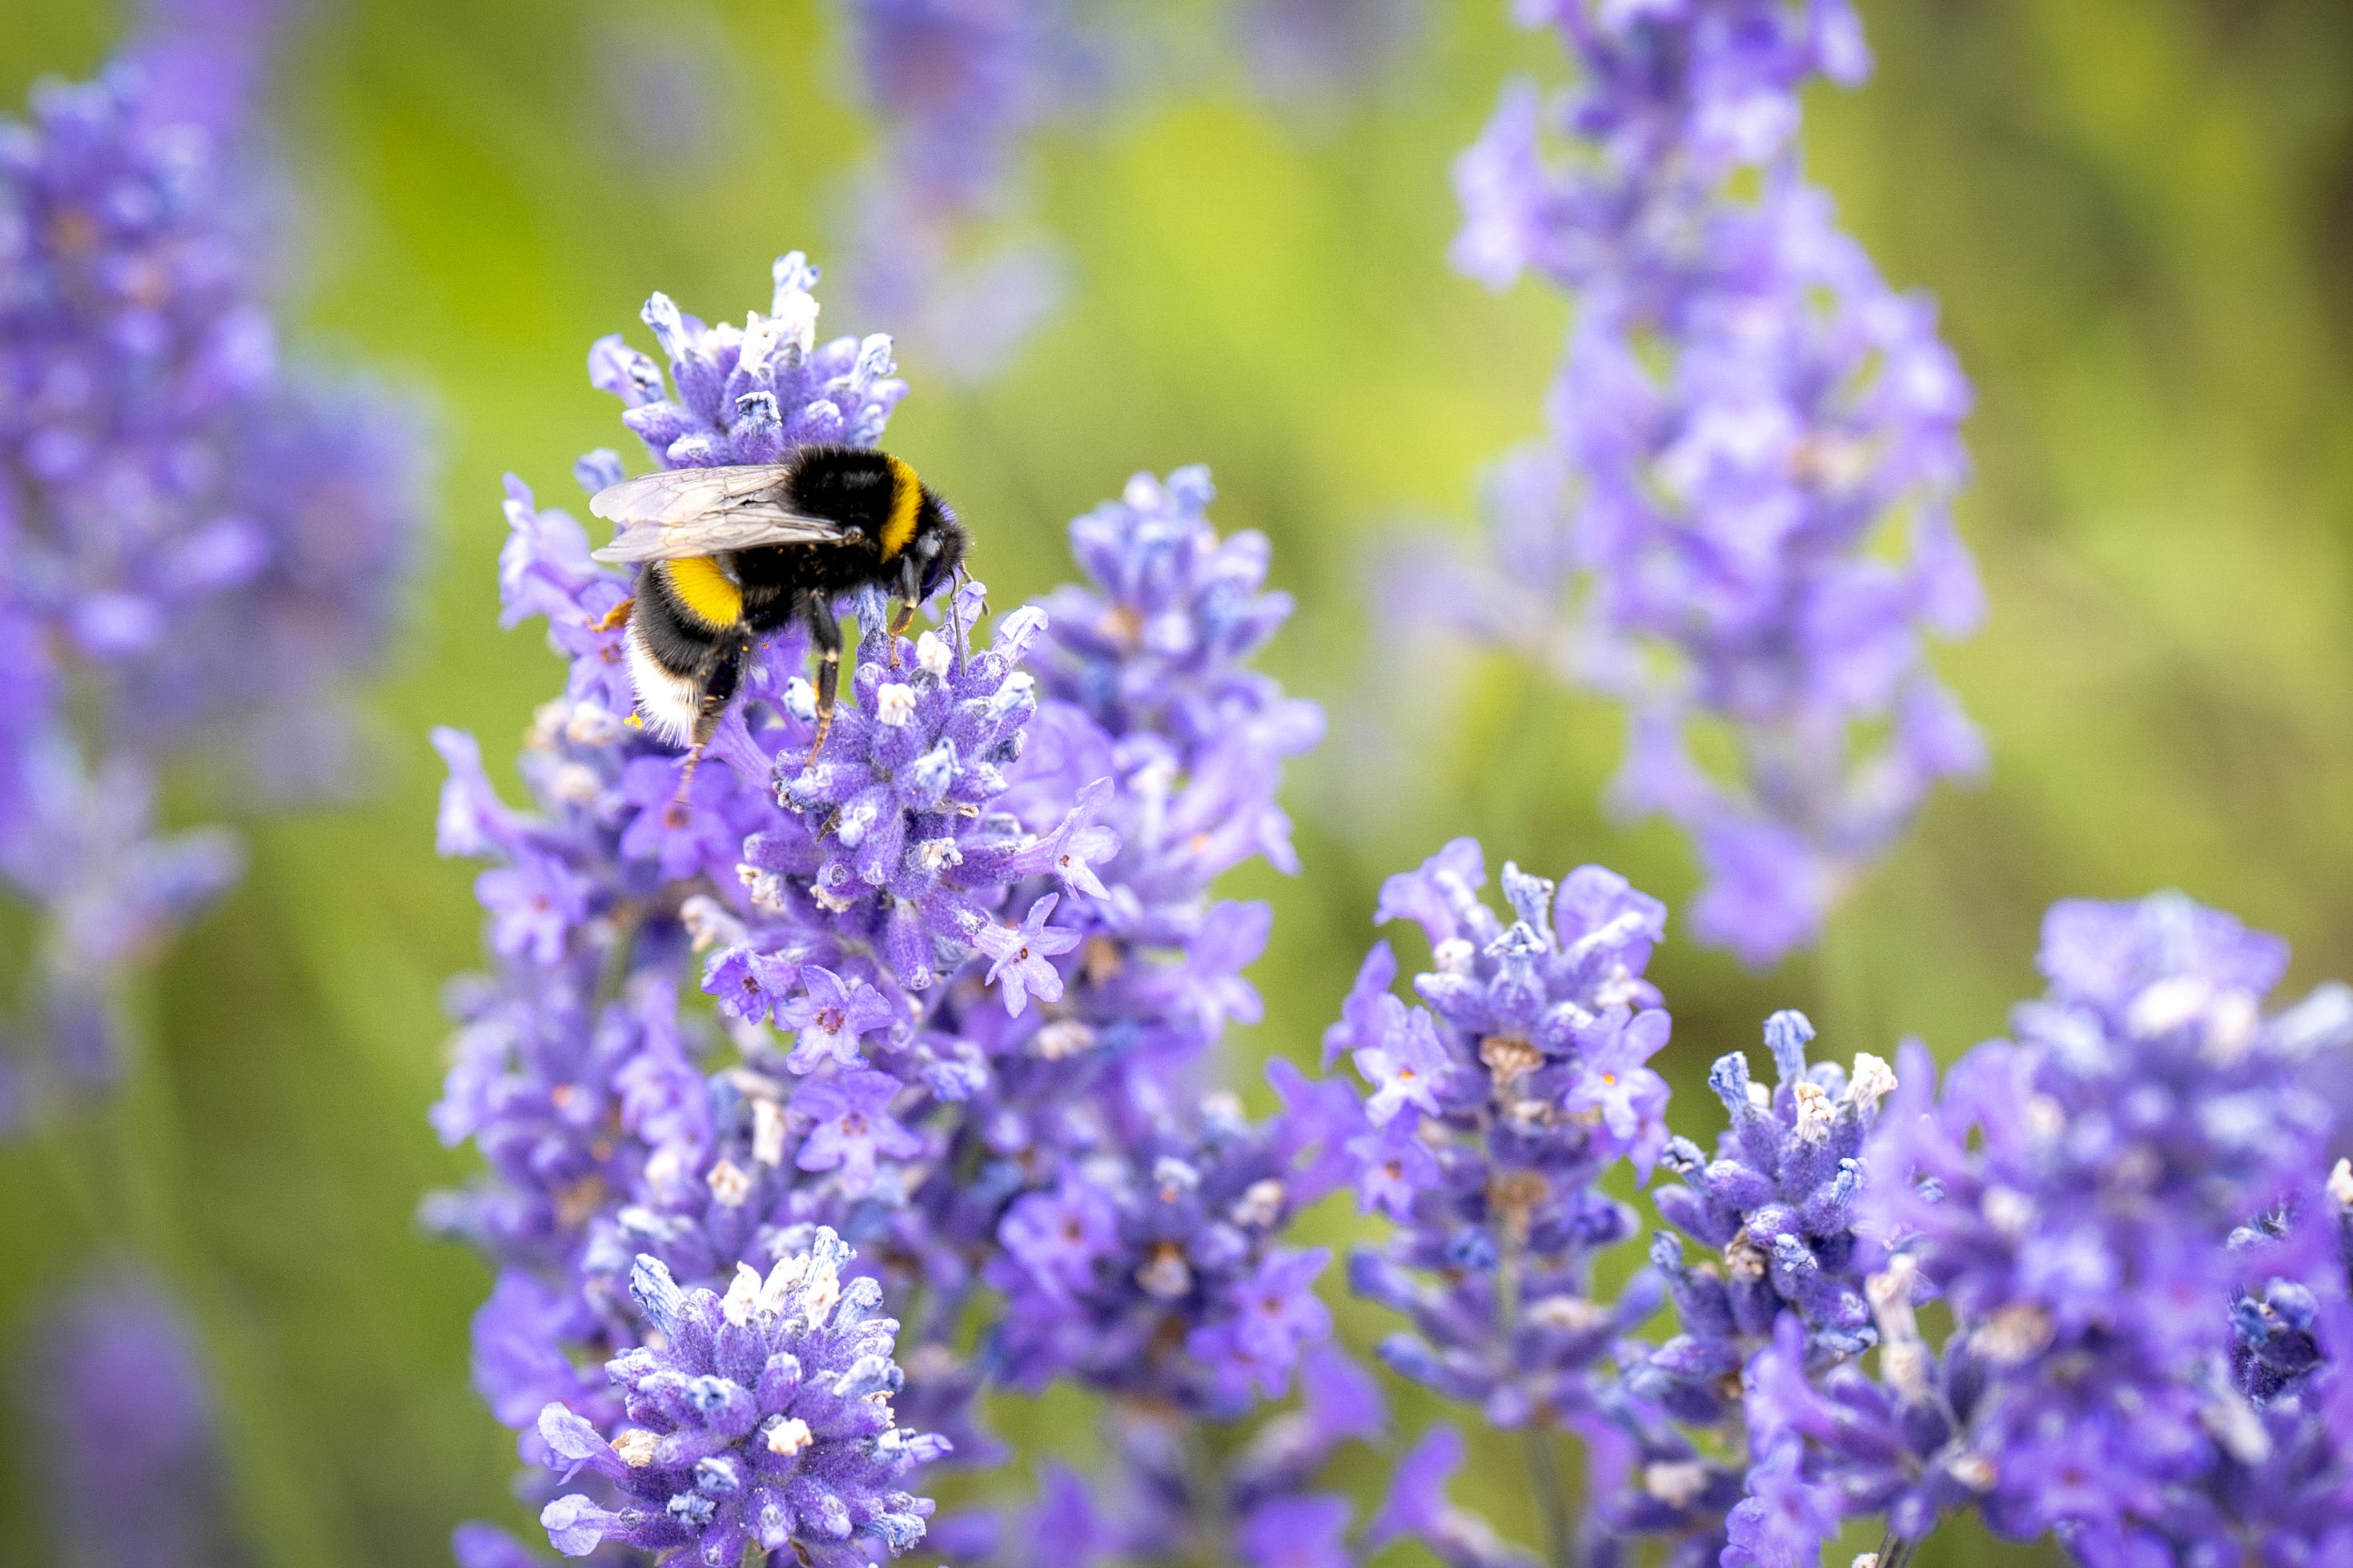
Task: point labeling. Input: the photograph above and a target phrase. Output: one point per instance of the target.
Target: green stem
(278, 1509)
(1552, 1498)
(1895, 1551)
(1205, 1481)
(1536, 1443)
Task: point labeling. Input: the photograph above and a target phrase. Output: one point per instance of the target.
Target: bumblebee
(735, 553)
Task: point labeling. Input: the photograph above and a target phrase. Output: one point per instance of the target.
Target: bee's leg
(911, 580)
(617, 615)
(826, 632)
(719, 679)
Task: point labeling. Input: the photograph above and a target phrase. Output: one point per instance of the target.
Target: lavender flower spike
(959, 88)
(130, 1450)
(763, 1421)
(1741, 518)
(2088, 1198)
(202, 545)
(986, 916)
(1495, 1112)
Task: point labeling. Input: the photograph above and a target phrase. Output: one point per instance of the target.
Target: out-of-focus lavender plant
(1738, 524)
(199, 547)
(984, 917)
(2087, 1202)
(121, 1434)
(2086, 1199)
(207, 62)
(935, 221)
(1304, 53)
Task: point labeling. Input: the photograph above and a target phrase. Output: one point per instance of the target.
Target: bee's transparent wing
(679, 512)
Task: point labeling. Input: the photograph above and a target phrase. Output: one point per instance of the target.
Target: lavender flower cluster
(966, 974)
(944, 1122)
(197, 543)
(1739, 522)
(985, 918)
(2147, 1284)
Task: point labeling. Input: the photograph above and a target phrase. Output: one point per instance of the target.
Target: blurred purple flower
(958, 88)
(128, 1452)
(204, 548)
(1740, 522)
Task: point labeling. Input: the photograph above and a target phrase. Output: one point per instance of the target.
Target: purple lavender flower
(202, 547)
(763, 1421)
(1777, 1201)
(205, 62)
(129, 1451)
(1483, 1132)
(851, 1126)
(1741, 518)
(2286, 1476)
(1785, 1517)
(1303, 55)
(1018, 957)
(1777, 1205)
(2078, 1198)
(1296, 1532)
(749, 395)
(986, 916)
(1152, 1272)
(829, 1016)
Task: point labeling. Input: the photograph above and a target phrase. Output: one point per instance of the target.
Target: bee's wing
(678, 512)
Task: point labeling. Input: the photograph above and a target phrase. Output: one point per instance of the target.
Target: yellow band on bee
(906, 497)
(705, 590)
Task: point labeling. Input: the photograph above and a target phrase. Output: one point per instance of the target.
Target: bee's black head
(940, 540)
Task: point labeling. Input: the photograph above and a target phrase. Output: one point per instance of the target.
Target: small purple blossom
(1270, 1316)
(678, 829)
(850, 1125)
(830, 1015)
(1785, 1519)
(1406, 1070)
(1018, 957)
(1296, 1532)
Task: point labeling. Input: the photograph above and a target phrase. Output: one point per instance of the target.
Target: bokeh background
(2137, 214)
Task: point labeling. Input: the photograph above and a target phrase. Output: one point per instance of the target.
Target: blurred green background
(2138, 214)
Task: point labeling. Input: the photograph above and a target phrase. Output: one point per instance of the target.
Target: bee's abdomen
(669, 650)
(700, 591)
(674, 637)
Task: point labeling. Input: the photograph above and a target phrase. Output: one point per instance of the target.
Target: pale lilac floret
(1020, 957)
(829, 1015)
